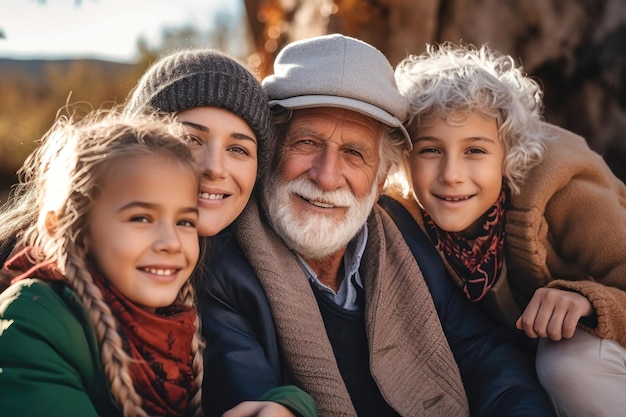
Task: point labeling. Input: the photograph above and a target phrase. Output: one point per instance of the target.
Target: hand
(259, 409)
(554, 313)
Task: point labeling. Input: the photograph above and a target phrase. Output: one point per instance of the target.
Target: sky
(101, 29)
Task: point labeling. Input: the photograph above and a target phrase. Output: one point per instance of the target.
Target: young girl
(525, 216)
(99, 319)
(225, 112)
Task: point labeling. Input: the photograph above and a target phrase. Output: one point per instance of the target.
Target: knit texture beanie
(206, 77)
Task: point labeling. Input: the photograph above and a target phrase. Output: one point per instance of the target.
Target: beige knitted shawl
(409, 356)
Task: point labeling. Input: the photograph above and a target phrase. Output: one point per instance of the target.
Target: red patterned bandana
(161, 345)
(477, 263)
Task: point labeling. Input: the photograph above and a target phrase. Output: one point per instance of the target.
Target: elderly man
(319, 289)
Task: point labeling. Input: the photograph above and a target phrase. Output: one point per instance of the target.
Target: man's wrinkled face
(325, 184)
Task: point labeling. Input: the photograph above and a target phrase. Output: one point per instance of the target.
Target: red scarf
(160, 343)
(478, 263)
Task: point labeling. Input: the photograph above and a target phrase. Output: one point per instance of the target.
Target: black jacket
(243, 358)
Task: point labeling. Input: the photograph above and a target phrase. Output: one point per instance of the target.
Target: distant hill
(35, 69)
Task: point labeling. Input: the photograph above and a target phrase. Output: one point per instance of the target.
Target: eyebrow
(302, 132)
(480, 138)
(152, 206)
(205, 129)
(196, 126)
(468, 139)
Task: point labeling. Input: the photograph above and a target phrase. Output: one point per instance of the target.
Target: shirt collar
(346, 296)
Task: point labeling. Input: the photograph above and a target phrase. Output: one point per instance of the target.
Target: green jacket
(49, 356)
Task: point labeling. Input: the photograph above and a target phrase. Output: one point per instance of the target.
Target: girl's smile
(142, 230)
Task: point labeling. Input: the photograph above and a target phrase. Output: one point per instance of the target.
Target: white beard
(316, 236)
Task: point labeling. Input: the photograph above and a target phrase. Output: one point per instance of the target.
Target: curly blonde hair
(65, 174)
(449, 81)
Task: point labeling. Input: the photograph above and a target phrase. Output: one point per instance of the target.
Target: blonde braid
(114, 359)
(65, 175)
(186, 297)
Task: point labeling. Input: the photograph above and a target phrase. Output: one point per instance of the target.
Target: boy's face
(142, 229)
(456, 171)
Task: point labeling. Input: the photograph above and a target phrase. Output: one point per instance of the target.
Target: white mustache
(318, 235)
(310, 191)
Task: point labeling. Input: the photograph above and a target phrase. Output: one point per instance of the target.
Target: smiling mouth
(209, 196)
(454, 198)
(160, 271)
(319, 203)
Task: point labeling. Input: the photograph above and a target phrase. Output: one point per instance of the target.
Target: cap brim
(304, 102)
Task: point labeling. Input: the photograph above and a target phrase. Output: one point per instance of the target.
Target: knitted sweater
(565, 229)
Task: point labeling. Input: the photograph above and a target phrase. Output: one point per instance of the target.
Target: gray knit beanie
(206, 77)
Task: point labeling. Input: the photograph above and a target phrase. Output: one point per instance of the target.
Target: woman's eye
(192, 139)
(187, 223)
(239, 150)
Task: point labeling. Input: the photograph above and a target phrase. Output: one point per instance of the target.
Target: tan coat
(410, 358)
(566, 229)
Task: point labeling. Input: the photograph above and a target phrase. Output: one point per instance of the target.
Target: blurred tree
(34, 92)
(576, 48)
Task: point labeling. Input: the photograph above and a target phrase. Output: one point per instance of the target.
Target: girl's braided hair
(64, 176)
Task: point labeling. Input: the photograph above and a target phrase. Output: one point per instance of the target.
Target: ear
(50, 222)
(381, 185)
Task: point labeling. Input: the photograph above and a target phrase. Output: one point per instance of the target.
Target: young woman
(226, 115)
(529, 221)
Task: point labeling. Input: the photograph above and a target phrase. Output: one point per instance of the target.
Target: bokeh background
(88, 54)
